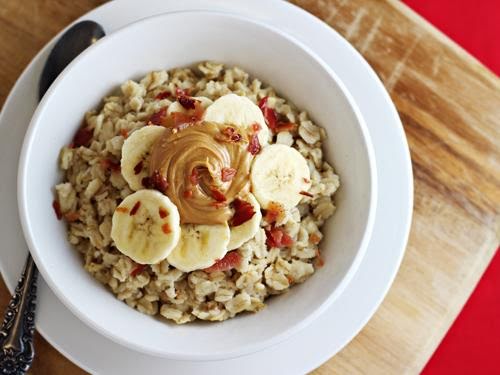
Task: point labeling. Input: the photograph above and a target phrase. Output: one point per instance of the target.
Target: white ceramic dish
(342, 320)
(294, 71)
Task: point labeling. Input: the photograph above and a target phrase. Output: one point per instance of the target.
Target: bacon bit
(274, 211)
(285, 127)
(243, 211)
(231, 260)
(306, 180)
(162, 212)
(314, 238)
(186, 101)
(135, 208)
(163, 95)
(165, 228)
(83, 137)
(229, 134)
(138, 167)
(256, 127)
(194, 178)
(138, 269)
(122, 209)
(269, 114)
(217, 195)
(71, 216)
(146, 182)
(320, 262)
(156, 181)
(124, 133)
(253, 145)
(157, 118)
(57, 209)
(306, 193)
(188, 193)
(110, 165)
(227, 174)
(277, 237)
(176, 119)
(286, 240)
(181, 92)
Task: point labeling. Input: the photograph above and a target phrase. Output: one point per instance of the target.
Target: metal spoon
(18, 327)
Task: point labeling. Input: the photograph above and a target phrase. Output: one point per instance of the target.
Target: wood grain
(450, 107)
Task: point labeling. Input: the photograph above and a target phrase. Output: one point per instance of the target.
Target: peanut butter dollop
(192, 159)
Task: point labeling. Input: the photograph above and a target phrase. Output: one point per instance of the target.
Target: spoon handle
(16, 334)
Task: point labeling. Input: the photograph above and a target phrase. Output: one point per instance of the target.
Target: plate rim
(408, 177)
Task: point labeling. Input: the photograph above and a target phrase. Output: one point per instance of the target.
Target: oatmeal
(197, 193)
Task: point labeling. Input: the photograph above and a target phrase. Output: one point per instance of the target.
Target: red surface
(473, 24)
(472, 345)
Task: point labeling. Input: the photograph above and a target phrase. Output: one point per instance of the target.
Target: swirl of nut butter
(192, 159)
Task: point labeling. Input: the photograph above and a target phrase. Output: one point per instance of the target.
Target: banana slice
(145, 226)
(279, 174)
(239, 111)
(244, 232)
(135, 154)
(177, 107)
(199, 246)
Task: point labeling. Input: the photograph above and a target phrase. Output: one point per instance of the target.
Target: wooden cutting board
(450, 107)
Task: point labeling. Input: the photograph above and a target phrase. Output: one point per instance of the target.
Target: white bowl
(179, 39)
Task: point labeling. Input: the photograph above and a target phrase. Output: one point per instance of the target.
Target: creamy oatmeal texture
(277, 257)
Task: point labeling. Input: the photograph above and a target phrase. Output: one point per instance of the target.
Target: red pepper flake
(231, 260)
(314, 238)
(71, 216)
(306, 180)
(157, 118)
(162, 212)
(124, 133)
(256, 127)
(227, 174)
(217, 195)
(254, 145)
(243, 211)
(274, 211)
(186, 102)
(277, 237)
(138, 167)
(122, 209)
(83, 137)
(165, 228)
(290, 279)
(181, 92)
(135, 208)
(285, 127)
(269, 114)
(306, 193)
(138, 269)
(57, 209)
(163, 95)
(194, 178)
(188, 193)
(110, 165)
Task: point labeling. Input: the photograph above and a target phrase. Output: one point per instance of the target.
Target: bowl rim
(242, 350)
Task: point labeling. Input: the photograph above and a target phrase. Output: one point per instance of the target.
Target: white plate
(343, 320)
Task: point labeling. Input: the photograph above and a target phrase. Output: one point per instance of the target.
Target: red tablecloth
(472, 345)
